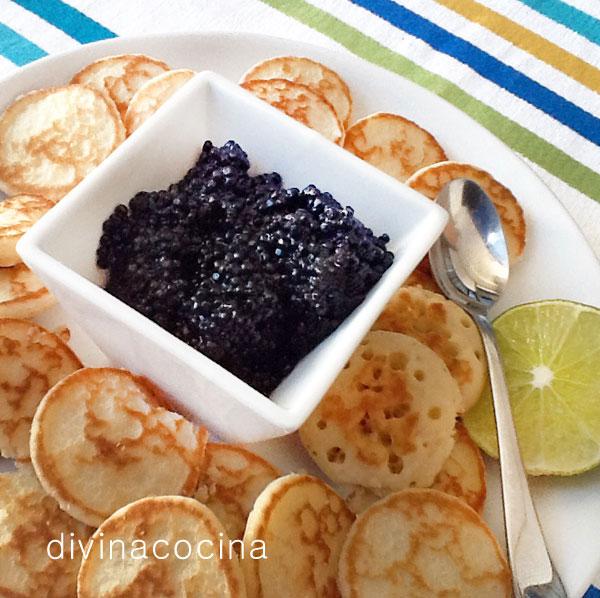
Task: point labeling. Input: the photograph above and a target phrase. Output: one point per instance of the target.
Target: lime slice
(551, 352)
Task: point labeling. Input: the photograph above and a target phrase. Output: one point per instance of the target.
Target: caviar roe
(249, 273)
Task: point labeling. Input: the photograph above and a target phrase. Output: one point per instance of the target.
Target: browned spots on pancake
(153, 431)
(430, 528)
(44, 152)
(296, 109)
(152, 95)
(23, 301)
(432, 179)
(311, 73)
(32, 360)
(16, 286)
(388, 419)
(393, 144)
(299, 102)
(17, 215)
(153, 579)
(427, 322)
(463, 474)
(30, 520)
(317, 519)
(135, 70)
(18, 283)
(231, 479)
(168, 518)
(57, 143)
(118, 452)
(379, 423)
(445, 328)
(120, 427)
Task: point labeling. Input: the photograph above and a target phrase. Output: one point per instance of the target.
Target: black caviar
(250, 273)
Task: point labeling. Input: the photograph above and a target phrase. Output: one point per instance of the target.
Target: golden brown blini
(186, 548)
(388, 419)
(102, 438)
(50, 139)
(311, 73)
(422, 543)
(303, 524)
(393, 144)
(32, 361)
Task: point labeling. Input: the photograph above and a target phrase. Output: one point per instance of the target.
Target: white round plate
(558, 262)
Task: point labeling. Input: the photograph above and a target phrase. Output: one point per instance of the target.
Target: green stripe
(522, 140)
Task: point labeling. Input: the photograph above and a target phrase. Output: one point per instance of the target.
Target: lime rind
(557, 418)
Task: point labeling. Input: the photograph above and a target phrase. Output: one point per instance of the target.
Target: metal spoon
(470, 264)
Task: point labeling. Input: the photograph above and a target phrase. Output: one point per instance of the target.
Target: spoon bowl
(470, 260)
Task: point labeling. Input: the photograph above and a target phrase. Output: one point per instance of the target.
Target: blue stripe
(73, 22)
(16, 48)
(586, 25)
(564, 111)
(592, 593)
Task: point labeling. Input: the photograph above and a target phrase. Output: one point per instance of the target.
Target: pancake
(303, 524)
(311, 73)
(17, 215)
(393, 144)
(422, 279)
(32, 360)
(422, 543)
(231, 479)
(388, 419)
(29, 521)
(430, 181)
(463, 476)
(102, 438)
(178, 535)
(50, 139)
(120, 76)
(152, 95)
(446, 329)
(22, 294)
(301, 103)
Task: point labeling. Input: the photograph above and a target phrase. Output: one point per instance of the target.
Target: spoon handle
(532, 569)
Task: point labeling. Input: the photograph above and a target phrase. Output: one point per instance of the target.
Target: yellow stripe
(527, 40)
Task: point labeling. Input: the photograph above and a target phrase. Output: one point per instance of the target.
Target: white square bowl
(61, 250)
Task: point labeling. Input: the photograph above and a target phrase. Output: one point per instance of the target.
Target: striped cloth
(527, 70)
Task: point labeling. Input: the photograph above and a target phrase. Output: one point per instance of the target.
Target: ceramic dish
(160, 153)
